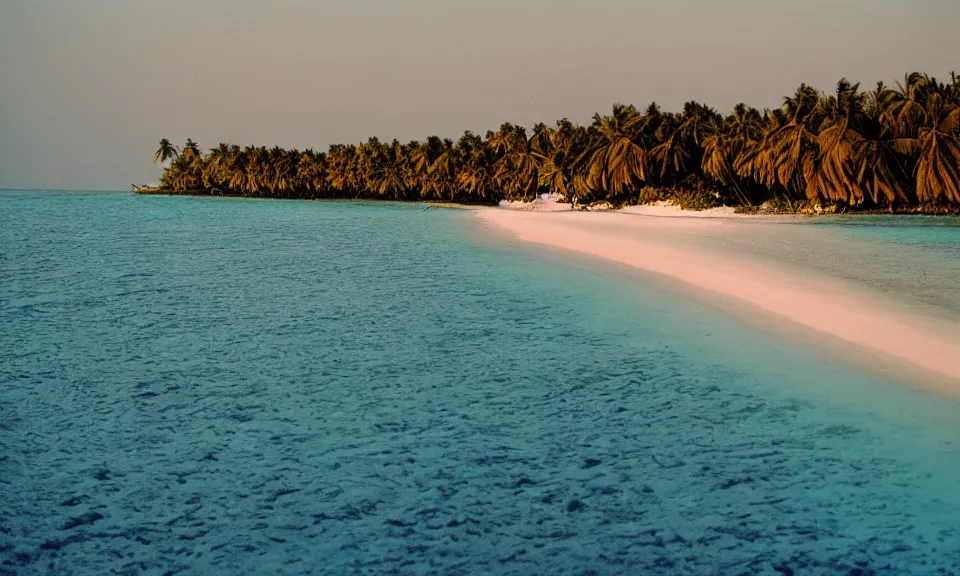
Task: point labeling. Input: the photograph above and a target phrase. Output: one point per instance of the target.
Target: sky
(88, 87)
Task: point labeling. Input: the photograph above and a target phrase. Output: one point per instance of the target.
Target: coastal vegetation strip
(890, 148)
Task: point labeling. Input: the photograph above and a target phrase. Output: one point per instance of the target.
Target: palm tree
(217, 167)
(618, 161)
(719, 151)
(165, 152)
(442, 173)
(474, 176)
(556, 151)
(237, 178)
(938, 149)
(879, 168)
(190, 150)
(785, 157)
(517, 170)
(672, 156)
(340, 168)
(905, 105)
(833, 177)
(310, 173)
(725, 142)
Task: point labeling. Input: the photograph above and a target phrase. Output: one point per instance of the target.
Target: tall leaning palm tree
(938, 149)
(165, 152)
(834, 174)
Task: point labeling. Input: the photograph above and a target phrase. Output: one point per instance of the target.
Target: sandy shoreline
(680, 248)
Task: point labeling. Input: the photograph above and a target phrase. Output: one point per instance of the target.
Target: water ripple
(197, 386)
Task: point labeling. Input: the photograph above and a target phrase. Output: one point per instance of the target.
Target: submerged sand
(704, 253)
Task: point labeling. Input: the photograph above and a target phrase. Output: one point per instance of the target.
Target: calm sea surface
(216, 386)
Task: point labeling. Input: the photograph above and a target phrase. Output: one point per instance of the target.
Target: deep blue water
(216, 386)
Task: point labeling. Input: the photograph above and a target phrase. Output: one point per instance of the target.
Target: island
(890, 149)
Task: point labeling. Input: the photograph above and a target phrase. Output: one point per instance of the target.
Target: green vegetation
(895, 149)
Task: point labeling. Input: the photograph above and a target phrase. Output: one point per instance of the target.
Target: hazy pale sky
(88, 87)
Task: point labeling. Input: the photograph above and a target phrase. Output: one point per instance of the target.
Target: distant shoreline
(597, 207)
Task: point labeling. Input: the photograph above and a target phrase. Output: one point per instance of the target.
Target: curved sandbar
(676, 247)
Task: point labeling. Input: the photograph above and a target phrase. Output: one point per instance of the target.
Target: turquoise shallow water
(916, 257)
(912, 260)
(206, 386)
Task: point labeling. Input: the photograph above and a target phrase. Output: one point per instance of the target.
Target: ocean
(228, 386)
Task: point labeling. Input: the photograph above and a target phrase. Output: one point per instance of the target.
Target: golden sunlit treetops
(888, 148)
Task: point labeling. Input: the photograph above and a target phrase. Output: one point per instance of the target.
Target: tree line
(890, 148)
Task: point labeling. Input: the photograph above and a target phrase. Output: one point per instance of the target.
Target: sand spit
(678, 248)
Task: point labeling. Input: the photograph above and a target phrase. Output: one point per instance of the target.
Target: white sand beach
(703, 252)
